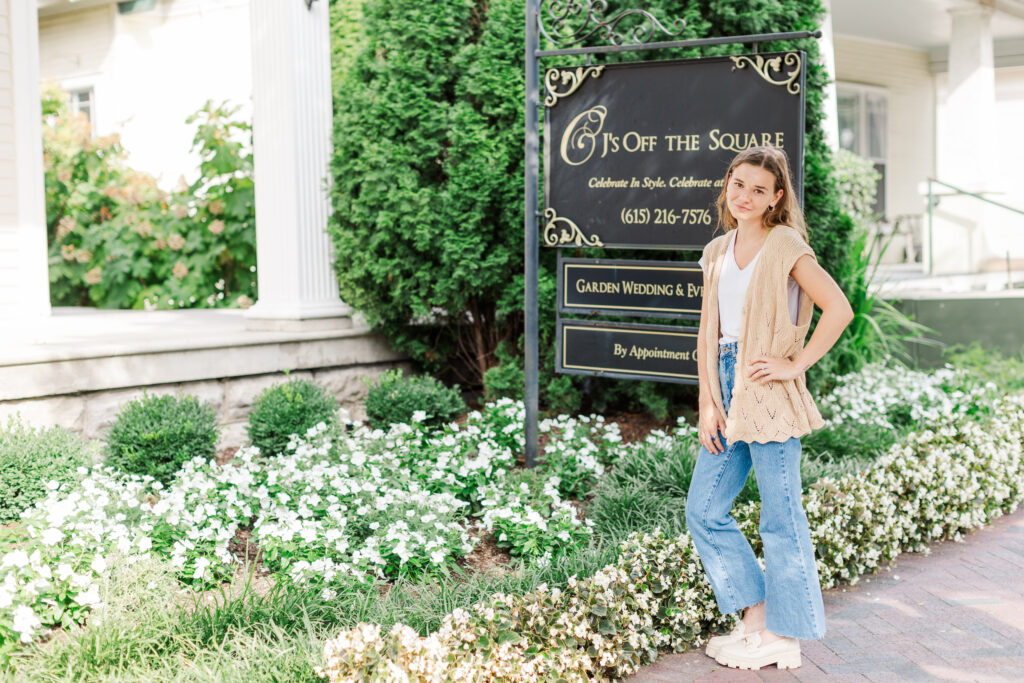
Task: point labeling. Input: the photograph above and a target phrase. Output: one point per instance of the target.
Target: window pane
(880, 190)
(81, 103)
(849, 121)
(877, 110)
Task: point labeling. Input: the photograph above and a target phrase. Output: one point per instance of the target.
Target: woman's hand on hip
(709, 427)
(764, 369)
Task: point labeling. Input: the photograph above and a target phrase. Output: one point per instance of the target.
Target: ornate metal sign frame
(655, 137)
(566, 24)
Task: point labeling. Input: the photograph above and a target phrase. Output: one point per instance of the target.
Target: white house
(138, 67)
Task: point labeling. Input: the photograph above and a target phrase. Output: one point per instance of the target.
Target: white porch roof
(928, 25)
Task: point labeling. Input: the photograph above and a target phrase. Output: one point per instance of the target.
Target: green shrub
(32, 458)
(155, 435)
(983, 364)
(395, 399)
(506, 379)
(288, 408)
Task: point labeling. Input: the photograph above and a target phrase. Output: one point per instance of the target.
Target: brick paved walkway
(956, 614)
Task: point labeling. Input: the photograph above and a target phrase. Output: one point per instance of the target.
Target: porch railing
(933, 200)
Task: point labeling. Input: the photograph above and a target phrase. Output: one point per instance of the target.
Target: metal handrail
(958, 190)
(977, 196)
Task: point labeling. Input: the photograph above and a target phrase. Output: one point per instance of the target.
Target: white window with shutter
(864, 128)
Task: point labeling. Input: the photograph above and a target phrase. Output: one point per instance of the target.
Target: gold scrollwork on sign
(560, 230)
(763, 67)
(570, 78)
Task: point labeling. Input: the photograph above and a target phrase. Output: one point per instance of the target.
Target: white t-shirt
(732, 292)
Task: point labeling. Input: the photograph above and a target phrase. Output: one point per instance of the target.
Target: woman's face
(751, 190)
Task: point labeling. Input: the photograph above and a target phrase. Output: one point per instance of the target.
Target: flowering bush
(943, 481)
(580, 454)
(119, 241)
(329, 511)
(51, 575)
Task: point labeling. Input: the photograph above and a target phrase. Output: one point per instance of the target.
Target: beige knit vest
(780, 409)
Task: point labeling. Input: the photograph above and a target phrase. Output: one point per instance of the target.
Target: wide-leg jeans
(789, 583)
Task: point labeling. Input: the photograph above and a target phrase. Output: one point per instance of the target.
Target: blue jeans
(789, 584)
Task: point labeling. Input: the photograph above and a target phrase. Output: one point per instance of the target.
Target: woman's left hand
(764, 369)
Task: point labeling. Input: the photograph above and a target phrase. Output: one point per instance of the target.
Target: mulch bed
(636, 426)
(486, 557)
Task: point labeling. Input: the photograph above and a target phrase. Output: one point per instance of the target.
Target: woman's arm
(710, 418)
(836, 314)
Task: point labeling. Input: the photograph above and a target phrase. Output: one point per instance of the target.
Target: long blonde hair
(786, 211)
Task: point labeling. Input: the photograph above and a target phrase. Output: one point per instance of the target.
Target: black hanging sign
(634, 153)
(662, 289)
(627, 351)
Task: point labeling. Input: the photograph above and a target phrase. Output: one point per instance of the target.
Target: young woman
(760, 281)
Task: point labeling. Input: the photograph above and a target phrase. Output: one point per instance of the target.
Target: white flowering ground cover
(888, 397)
(368, 506)
(954, 476)
(337, 506)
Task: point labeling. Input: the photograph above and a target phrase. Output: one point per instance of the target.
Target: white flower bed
(954, 477)
(879, 393)
(531, 522)
(368, 504)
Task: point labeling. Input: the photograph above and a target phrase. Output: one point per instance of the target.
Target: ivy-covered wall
(428, 179)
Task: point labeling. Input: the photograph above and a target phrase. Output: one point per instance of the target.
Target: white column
(24, 284)
(968, 144)
(292, 124)
(828, 57)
